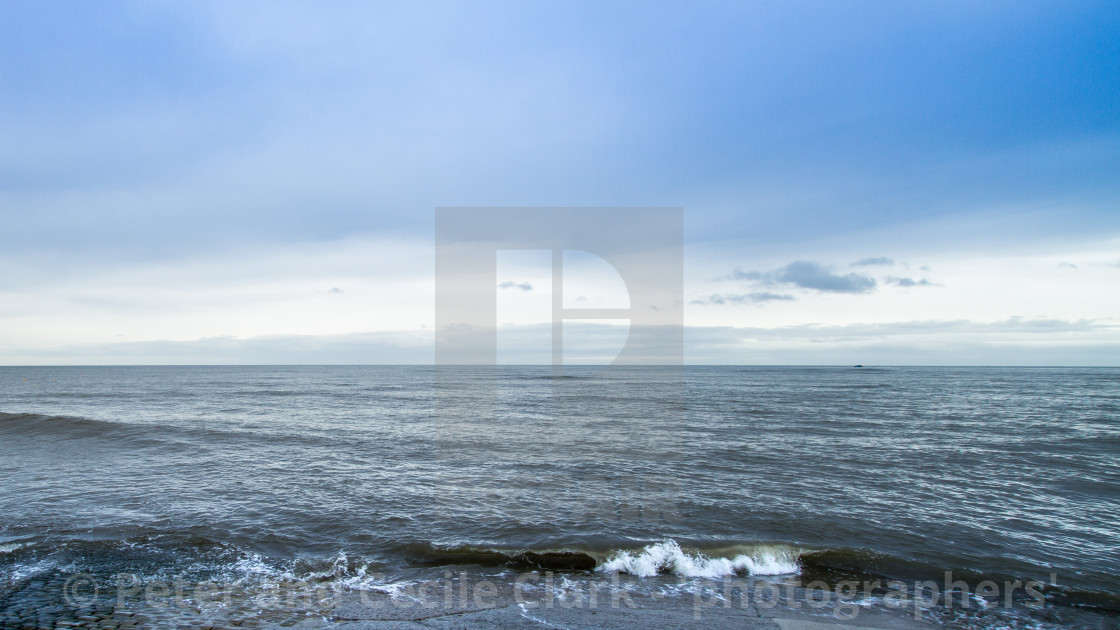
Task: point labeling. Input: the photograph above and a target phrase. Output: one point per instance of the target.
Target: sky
(255, 182)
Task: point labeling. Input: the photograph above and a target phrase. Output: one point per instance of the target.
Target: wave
(10, 547)
(665, 557)
(719, 560)
(116, 433)
(187, 554)
(149, 434)
(35, 423)
(668, 558)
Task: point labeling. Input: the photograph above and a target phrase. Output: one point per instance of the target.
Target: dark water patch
(863, 566)
(281, 393)
(63, 427)
(425, 554)
(56, 427)
(51, 424)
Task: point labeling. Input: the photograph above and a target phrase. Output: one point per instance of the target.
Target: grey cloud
(910, 282)
(863, 262)
(739, 274)
(810, 275)
(336, 291)
(510, 284)
(814, 276)
(1066, 264)
(743, 298)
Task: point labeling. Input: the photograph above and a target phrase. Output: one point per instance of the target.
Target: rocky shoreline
(574, 600)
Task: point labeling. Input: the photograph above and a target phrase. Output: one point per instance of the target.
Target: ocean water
(366, 477)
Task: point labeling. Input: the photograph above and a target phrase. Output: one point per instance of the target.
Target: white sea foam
(21, 572)
(361, 579)
(252, 567)
(668, 557)
(403, 590)
(338, 569)
(10, 548)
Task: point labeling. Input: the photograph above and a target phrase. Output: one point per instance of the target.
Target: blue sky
(181, 173)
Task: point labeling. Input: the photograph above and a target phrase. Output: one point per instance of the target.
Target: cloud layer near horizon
(1014, 341)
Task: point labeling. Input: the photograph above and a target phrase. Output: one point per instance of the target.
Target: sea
(122, 484)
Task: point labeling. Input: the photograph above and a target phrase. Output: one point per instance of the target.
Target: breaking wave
(668, 558)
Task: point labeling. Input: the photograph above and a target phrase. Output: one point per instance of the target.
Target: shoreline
(545, 599)
(621, 606)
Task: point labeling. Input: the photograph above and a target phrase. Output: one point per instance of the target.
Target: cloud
(336, 291)
(1010, 341)
(386, 347)
(743, 298)
(810, 275)
(510, 284)
(1016, 325)
(863, 262)
(909, 282)
(1013, 341)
